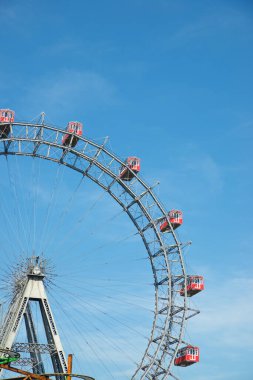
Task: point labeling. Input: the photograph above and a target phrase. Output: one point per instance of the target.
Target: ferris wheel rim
(38, 140)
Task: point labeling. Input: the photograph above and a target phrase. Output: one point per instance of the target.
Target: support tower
(29, 287)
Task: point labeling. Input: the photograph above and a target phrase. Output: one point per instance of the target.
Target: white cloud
(195, 177)
(207, 168)
(223, 18)
(57, 91)
(226, 313)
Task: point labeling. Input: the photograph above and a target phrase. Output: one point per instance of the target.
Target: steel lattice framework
(138, 200)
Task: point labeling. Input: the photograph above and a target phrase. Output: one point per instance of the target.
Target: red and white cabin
(186, 356)
(132, 163)
(72, 127)
(195, 284)
(176, 219)
(7, 116)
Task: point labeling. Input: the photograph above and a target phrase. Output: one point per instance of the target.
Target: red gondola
(195, 284)
(132, 163)
(186, 356)
(176, 219)
(6, 117)
(72, 127)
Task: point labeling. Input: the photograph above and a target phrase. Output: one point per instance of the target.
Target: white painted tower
(30, 287)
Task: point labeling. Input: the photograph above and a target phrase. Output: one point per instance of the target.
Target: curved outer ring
(142, 206)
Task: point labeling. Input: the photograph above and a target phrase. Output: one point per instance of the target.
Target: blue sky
(172, 83)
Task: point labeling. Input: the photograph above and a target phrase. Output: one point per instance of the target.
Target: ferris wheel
(165, 347)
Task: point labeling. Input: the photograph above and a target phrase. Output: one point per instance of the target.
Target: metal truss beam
(34, 347)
